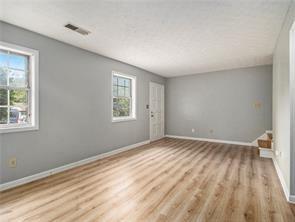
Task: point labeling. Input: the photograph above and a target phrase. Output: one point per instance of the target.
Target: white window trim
(133, 91)
(34, 84)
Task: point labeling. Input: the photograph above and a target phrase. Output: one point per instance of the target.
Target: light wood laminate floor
(168, 180)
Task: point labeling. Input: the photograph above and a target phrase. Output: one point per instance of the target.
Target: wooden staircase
(265, 146)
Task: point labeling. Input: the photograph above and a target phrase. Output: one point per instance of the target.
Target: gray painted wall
(281, 102)
(75, 119)
(75, 108)
(220, 101)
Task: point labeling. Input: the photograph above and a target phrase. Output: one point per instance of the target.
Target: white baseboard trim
(265, 153)
(28, 179)
(210, 140)
(290, 198)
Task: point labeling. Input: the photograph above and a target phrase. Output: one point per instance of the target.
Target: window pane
(127, 92)
(15, 93)
(121, 91)
(127, 82)
(3, 76)
(3, 115)
(121, 107)
(3, 97)
(17, 78)
(121, 81)
(115, 80)
(115, 90)
(18, 61)
(115, 107)
(19, 112)
(18, 115)
(19, 98)
(4, 58)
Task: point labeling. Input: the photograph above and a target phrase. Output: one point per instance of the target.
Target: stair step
(264, 143)
(265, 153)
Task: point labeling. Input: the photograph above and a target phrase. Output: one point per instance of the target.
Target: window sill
(116, 120)
(13, 129)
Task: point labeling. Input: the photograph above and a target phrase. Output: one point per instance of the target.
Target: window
(123, 99)
(18, 88)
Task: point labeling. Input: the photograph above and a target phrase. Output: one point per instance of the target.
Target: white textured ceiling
(170, 38)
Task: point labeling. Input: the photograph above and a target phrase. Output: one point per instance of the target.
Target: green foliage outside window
(121, 107)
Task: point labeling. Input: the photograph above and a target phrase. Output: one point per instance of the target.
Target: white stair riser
(266, 153)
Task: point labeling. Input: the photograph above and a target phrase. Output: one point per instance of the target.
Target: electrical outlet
(12, 162)
(193, 130)
(211, 131)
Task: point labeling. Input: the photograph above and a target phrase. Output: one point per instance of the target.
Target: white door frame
(292, 108)
(150, 114)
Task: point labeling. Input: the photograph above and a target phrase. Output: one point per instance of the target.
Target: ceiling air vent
(77, 29)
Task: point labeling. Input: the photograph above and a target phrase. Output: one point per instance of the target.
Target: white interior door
(156, 111)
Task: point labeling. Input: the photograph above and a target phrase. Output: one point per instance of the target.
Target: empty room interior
(147, 110)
